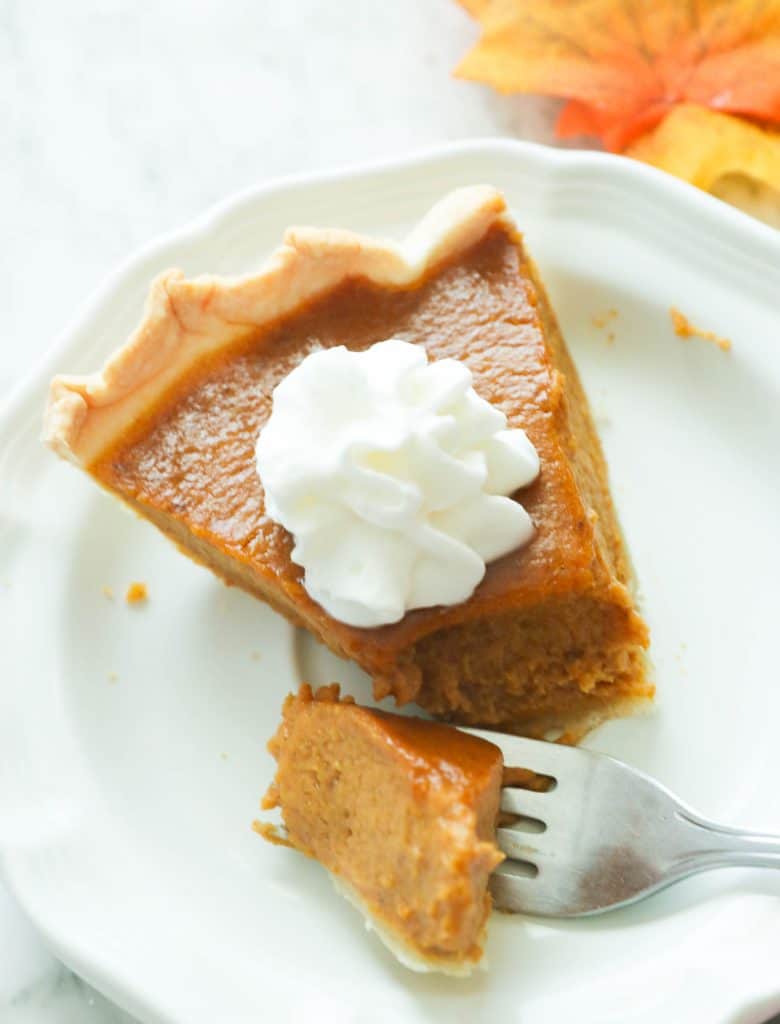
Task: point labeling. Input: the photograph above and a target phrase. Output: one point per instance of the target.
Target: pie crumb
(255, 655)
(108, 593)
(136, 593)
(224, 756)
(684, 329)
(270, 832)
(602, 319)
(113, 677)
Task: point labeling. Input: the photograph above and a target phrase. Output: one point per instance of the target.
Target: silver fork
(603, 835)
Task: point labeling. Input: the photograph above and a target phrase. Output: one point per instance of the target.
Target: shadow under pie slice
(550, 639)
(402, 812)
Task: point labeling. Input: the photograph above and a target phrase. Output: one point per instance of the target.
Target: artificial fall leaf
(624, 64)
(735, 159)
(702, 147)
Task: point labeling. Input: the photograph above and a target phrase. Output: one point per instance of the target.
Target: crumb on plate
(683, 328)
(270, 832)
(602, 319)
(108, 593)
(136, 593)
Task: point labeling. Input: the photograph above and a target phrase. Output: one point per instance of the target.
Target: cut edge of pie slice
(187, 320)
(402, 813)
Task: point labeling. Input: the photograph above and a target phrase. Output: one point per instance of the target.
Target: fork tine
(512, 892)
(537, 755)
(518, 845)
(547, 894)
(526, 801)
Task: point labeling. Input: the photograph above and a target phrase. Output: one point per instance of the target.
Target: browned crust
(185, 320)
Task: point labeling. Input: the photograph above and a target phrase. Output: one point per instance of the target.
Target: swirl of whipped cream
(392, 475)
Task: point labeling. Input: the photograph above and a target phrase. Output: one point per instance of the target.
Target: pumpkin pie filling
(550, 639)
(401, 811)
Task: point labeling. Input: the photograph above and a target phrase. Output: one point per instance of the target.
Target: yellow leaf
(732, 158)
(476, 8)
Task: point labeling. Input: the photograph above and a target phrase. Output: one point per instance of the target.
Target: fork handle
(713, 846)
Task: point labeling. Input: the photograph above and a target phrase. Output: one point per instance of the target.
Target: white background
(122, 119)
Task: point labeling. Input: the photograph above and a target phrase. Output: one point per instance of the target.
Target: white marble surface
(122, 120)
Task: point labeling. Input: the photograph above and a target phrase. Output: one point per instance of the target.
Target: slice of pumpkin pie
(441, 518)
(402, 812)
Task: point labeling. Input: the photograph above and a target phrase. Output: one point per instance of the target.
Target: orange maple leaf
(624, 64)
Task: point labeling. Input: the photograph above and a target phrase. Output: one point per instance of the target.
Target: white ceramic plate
(125, 805)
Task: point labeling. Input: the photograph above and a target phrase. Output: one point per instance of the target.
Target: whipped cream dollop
(393, 476)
